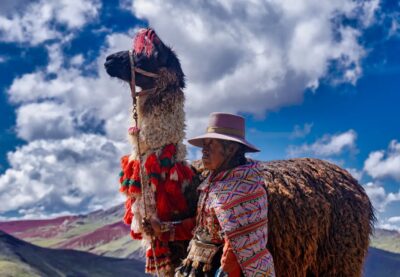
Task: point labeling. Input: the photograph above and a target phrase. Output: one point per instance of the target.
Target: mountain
(101, 232)
(388, 240)
(381, 263)
(19, 258)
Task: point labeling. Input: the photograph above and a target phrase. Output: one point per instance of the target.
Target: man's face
(213, 154)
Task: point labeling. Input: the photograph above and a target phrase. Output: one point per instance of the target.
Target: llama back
(320, 218)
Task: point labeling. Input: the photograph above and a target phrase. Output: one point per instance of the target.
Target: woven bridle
(135, 94)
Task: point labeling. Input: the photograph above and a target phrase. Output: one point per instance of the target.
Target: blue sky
(312, 79)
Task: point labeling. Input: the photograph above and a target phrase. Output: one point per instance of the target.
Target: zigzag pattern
(241, 205)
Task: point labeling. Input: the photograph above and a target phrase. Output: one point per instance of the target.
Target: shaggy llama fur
(320, 219)
(161, 117)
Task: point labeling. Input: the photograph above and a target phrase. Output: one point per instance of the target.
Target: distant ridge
(19, 258)
(381, 263)
(100, 232)
(103, 233)
(388, 240)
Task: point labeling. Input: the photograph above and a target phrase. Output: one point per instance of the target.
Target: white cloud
(70, 99)
(394, 28)
(391, 223)
(55, 58)
(357, 174)
(394, 219)
(54, 176)
(384, 164)
(46, 120)
(255, 55)
(301, 131)
(35, 22)
(77, 60)
(76, 13)
(328, 145)
(379, 197)
(63, 169)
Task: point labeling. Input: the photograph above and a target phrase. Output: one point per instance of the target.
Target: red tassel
(153, 170)
(164, 208)
(124, 162)
(128, 170)
(166, 157)
(160, 249)
(128, 210)
(123, 189)
(152, 165)
(186, 172)
(174, 192)
(136, 171)
(133, 190)
(135, 236)
(175, 174)
(168, 152)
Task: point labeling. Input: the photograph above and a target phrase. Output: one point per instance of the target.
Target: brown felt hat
(225, 126)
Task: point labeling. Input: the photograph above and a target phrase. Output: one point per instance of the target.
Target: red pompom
(134, 190)
(123, 189)
(135, 236)
(168, 152)
(124, 161)
(152, 165)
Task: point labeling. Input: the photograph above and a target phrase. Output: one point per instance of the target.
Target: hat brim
(198, 141)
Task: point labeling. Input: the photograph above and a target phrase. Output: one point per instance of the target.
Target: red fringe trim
(169, 191)
(128, 211)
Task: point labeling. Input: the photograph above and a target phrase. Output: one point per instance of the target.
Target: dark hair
(239, 156)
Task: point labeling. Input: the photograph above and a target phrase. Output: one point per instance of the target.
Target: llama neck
(164, 125)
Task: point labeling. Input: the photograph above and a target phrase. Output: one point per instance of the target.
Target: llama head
(161, 116)
(149, 54)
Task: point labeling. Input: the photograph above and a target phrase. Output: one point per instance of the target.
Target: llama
(158, 155)
(320, 218)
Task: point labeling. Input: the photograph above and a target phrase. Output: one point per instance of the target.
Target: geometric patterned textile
(237, 201)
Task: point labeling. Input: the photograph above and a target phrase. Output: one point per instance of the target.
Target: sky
(312, 78)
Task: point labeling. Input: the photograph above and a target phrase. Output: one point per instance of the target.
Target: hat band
(226, 131)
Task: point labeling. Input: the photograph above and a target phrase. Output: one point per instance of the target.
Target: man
(231, 231)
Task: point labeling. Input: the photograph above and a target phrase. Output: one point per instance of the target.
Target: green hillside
(386, 240)
(19, 258)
